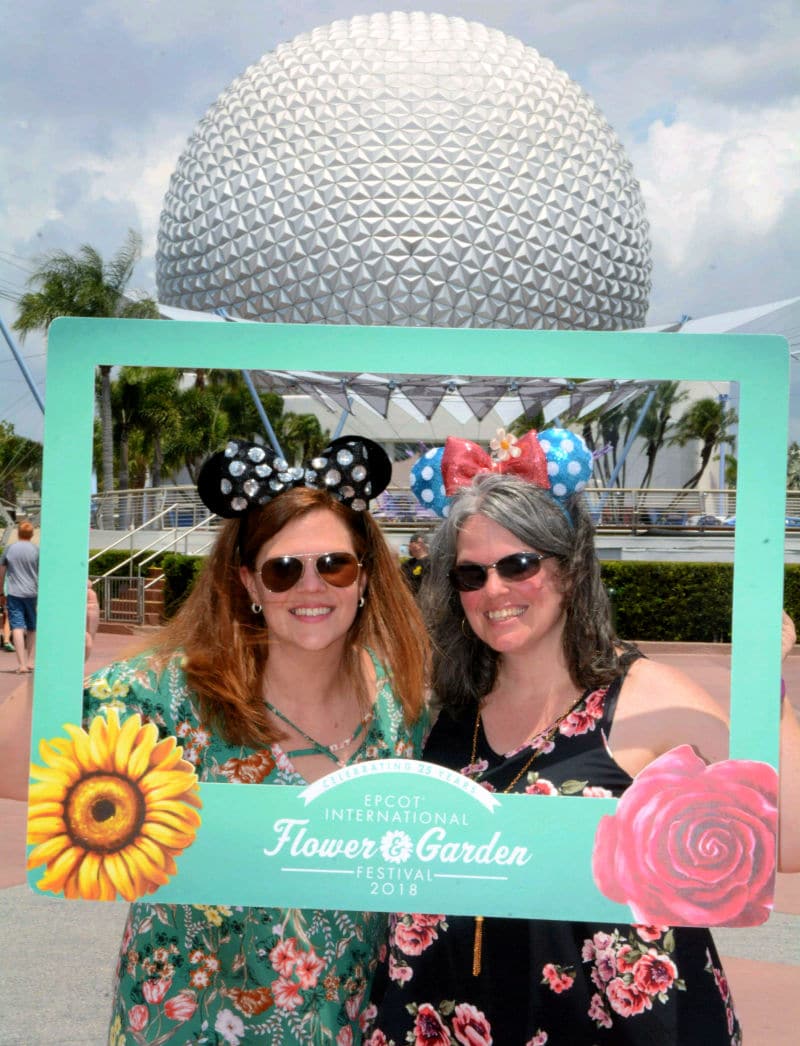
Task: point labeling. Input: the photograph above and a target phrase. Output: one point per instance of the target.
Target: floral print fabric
(547, 983)
(224, 975)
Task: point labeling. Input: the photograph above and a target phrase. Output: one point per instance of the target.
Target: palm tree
(20, 462)
(85, 285)
(657, 421)
(708, 421)
(793, 466)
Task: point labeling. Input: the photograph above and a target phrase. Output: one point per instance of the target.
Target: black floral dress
(546, 982)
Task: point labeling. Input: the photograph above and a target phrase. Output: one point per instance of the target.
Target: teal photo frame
(537, 866)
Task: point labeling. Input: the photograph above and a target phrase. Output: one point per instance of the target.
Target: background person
(538, 696)
(5, 639)
(19, 569)
(416, 566)
(299, 651)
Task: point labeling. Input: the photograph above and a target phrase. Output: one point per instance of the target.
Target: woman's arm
(661, 708)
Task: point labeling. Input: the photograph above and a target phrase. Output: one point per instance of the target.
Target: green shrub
(180, 574)
(681, 602)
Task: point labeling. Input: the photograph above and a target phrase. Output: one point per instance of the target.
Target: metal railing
(121, 598)
(151, 507)
(627, 508)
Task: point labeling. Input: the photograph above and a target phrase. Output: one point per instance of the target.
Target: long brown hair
(226, 646)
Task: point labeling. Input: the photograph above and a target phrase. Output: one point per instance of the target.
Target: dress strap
(612, 695)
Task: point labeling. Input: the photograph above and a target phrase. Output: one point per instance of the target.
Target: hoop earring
(256, 608)
(361, 602)
(464, 629)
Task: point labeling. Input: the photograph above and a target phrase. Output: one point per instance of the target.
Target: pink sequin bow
(463, 460)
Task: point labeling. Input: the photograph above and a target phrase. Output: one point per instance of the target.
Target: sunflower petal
(48, 850)
(42, 808)
(148, 869)
(140, 756)
(88, 876)
(174, 815)
(125, 742)
(46, 775)
(42, 828)
(157, 854)
(105, 886)
(101, 737)
(45, 791)
(167, 836)
(155, 779)
(61, 869)
(166, 753)
(80, 746)
(120, 876)
(174, 788)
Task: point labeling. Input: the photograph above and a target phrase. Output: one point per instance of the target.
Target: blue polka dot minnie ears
(555, 459)
(245, 475)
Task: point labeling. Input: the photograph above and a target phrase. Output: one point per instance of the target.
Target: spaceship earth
(409, 169)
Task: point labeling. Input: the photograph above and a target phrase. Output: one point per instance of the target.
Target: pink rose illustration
(429, 1029)
(626, 999)
(558, 978)
(692, 844)
(654, 973)
(377, 1039)
(470, 1026)
(414, 934)
(181, 1006)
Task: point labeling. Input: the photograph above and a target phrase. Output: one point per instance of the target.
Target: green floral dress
(224, 975)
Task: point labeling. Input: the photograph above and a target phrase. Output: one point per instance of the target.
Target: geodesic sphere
(406, 169)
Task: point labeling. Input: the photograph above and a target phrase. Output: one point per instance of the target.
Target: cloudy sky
(100, 97)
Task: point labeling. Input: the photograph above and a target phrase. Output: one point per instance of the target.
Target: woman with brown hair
(299, 651)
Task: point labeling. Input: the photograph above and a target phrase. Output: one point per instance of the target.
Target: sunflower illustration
(110, 809)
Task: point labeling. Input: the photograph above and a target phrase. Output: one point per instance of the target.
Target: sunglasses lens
(338, 568)
(280, 574)
(519, 567)
(468, 577)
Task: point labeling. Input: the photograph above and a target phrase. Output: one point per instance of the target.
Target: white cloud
(718, 173)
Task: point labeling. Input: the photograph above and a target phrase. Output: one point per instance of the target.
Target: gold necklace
(541, 739)
(317, 746)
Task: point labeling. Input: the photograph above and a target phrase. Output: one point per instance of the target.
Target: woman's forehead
(318, 531)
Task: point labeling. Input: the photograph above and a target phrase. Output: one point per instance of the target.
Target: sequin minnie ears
(555, 459)
(245, 475)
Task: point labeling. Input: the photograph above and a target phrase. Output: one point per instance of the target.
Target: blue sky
(100, 97)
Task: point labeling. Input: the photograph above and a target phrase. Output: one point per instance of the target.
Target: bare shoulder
(653, 685)
(661, 707)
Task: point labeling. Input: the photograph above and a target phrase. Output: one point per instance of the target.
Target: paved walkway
(57, 958)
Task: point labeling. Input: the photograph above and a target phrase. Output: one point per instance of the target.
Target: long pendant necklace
(540, 741)
(317, 746)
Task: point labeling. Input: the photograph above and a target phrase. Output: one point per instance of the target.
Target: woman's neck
(526, 698)
(310, 680)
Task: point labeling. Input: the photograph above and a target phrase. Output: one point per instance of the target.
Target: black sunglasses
(519, 566)
(339, 569)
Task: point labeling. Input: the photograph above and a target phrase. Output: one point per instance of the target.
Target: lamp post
(723, 400)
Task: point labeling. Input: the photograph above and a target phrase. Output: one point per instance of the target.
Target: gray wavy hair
(464, 668)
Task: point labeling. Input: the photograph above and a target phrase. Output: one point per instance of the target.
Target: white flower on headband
(504, 446)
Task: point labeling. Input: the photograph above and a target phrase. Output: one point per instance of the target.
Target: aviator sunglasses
(519, 566)
(339, 569)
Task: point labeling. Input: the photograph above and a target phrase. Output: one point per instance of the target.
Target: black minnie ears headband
(245, 475)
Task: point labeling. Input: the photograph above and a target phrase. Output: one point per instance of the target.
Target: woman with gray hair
(537, 695)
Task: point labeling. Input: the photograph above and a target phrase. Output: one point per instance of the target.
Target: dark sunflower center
(103, 812)
(103, 809)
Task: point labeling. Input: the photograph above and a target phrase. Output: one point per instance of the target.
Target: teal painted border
(759, 364)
